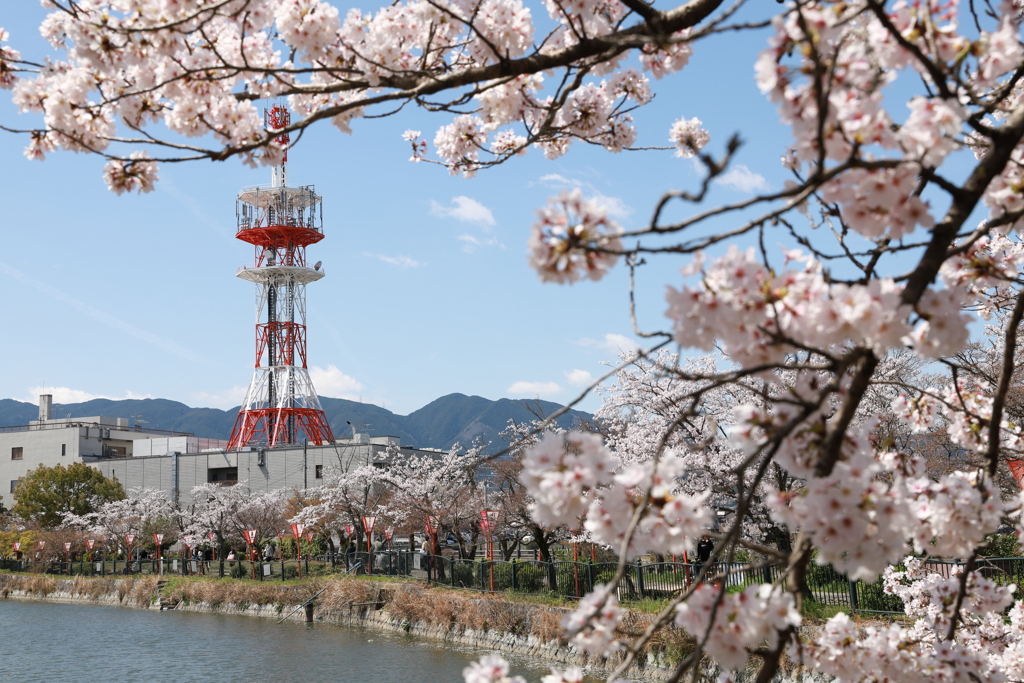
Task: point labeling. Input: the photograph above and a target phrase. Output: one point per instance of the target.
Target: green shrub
(529, 579)
(465, 574)
(237, 571)
(1001, 545)
(871, 596)
(290, 571)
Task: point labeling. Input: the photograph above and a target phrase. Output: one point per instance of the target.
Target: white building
(174, 462)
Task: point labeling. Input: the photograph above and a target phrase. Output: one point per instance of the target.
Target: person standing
(704, 549)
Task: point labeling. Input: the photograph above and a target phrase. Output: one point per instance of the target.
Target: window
(63, 449)
(319, 471)
(14, 484)
(16, 453)
(228, 476)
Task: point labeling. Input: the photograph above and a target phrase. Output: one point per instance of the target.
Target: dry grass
(94, 589)
(215, 592)
(141, 591)
(33, 585)
(448, 610)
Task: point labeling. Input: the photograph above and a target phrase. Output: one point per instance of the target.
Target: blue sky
(428, 290)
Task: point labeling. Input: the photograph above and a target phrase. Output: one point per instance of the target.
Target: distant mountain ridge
(455, 418)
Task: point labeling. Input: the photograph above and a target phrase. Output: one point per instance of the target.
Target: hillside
(451, 419)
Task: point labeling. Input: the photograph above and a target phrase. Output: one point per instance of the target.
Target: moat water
(101, 644)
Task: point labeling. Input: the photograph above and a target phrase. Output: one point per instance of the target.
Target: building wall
(42, 445)
(282, 468)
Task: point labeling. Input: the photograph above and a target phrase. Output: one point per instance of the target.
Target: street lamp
(250, 539)
(368, 522)
(67, 555)
(129, 539)
(309, 543)
(297, 530)
(159, 540)
(432, 523)
(489, 521)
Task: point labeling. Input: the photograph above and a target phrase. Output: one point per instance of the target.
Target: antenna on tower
(275, 119)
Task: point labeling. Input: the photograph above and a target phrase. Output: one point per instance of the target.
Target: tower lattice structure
(281, 406)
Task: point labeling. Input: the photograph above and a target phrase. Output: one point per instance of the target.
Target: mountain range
(451, 419)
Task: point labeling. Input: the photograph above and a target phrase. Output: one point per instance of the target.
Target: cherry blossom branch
(1005, 377)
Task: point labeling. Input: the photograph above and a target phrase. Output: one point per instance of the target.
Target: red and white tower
(280, 406)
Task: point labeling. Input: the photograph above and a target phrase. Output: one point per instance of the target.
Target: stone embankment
(486, 622)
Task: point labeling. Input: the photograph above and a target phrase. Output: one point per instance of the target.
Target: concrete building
(61, 441)
(174, 462)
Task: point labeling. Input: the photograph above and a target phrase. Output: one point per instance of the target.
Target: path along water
(100, 644)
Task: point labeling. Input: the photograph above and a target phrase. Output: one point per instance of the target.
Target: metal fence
(642, 581)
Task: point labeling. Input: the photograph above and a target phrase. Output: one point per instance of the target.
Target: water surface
(99, 644)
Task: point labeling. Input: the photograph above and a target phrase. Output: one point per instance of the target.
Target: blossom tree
(347, 493)
(514, 500)
(442, 485)
(227, 511)
(141, 512)
(898, 226)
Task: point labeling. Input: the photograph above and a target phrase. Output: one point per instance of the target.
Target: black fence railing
(641, 581)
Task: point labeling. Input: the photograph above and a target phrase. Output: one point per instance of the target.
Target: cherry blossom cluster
(8, 59)
(574, 474)
(992, 262)
(857, 520)
(732, 624)
(672, 520)
(490, 669)
(185, 65)
(560, 470)
(966, 408)
(984, 647)
(138, 174)
(754, 312)
(591, 626)
(572, 239)
(688, 137)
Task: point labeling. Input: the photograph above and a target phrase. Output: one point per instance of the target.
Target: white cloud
(534, 388)
(471, 242)
(615, 207)
(466, 210)
(556, 179)
(68, 395)
(611, 342)
(579, 378)
(332, 382)
(741, 178)
(401, 261)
